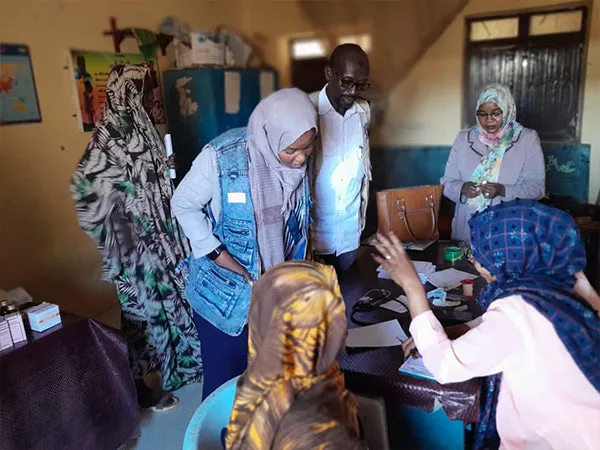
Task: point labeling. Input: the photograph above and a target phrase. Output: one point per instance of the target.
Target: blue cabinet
(205, 102)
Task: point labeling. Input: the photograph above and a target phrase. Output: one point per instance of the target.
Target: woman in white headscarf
(244, 205)
(496, 160)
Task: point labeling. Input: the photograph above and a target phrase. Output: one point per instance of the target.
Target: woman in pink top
(538, 341)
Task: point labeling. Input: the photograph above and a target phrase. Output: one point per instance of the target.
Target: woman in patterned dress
(122, 192)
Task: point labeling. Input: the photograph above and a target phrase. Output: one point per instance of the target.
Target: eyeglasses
(349, 83)
(496, 115)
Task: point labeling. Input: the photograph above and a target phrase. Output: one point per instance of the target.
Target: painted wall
(41, 245)
(425, 107)
(401, 31)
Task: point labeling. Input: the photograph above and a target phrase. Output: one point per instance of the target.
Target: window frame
(523, 41)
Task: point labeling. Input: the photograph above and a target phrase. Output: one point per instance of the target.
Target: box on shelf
(16, 327)
(204, 52)
(20, 297)
(5, 339)
(43, 316)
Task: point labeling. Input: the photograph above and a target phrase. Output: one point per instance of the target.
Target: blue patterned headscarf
(535, 251)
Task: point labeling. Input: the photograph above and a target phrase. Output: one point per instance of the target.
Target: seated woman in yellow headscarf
(292, 395)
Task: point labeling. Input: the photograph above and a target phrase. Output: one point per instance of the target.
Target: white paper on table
(415, 366)
(233, 81)
(450, 278)
(267, 83)
(398, 305)
(423, 268)
(384, 334)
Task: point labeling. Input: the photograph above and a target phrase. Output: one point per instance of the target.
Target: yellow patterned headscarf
(292, 394)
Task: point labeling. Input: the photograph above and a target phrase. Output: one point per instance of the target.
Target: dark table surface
(375, 371)
(69, 387)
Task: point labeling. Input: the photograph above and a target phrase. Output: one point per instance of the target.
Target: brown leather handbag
(411, 213)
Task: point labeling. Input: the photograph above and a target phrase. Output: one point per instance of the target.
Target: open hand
(396, 261)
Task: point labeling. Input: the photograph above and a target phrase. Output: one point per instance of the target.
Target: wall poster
(90, 74)
(18, 95)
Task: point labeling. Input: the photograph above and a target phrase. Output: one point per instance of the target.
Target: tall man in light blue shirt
(341, 168)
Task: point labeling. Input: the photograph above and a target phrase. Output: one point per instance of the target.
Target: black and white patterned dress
(122, 195)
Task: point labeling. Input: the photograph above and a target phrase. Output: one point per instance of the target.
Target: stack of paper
(384, 334)
(424, 268)
(450, 278)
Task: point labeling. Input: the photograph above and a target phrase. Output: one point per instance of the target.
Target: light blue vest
(220, 296)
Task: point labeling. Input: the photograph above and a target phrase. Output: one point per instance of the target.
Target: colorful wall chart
(90, 74)
(18, 96)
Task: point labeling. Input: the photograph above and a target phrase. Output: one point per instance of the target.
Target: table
(375, 371)
(69, 387)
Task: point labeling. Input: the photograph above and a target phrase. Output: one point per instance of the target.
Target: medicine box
(43, 316)
(5, 339)
(15, 325)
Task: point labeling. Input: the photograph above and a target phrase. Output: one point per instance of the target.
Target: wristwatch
(216, 252)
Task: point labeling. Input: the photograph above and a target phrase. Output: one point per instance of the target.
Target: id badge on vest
(236, 197)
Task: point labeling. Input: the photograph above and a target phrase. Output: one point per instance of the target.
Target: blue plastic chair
(212, 416)
(207, 423)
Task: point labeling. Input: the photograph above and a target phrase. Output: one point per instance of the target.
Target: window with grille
(541, 58)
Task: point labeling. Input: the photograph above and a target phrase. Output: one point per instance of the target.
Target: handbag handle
(429, 205)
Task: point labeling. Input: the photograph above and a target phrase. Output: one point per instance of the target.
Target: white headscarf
(276, 123)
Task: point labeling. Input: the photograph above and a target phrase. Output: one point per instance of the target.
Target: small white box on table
(43, 316)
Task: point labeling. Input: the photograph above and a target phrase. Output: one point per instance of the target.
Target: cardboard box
(204, 52)
(43, 316)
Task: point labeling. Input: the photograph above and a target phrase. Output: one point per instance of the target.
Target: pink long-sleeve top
(545, 402)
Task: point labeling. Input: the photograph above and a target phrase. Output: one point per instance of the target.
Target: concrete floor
(166, 430)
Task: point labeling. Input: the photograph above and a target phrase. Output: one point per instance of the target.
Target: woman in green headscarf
(496, 160)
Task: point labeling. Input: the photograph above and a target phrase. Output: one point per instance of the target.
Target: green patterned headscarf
(488, 169)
